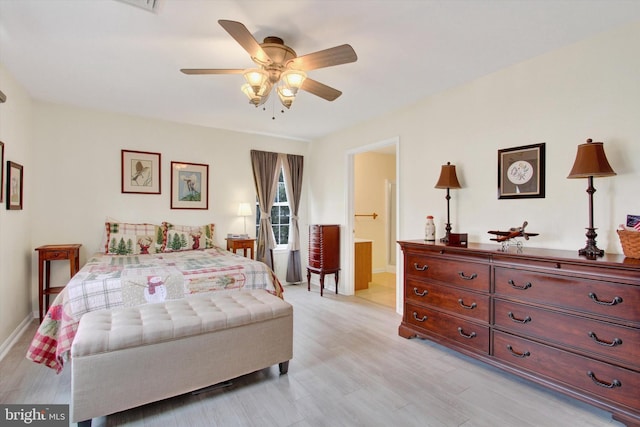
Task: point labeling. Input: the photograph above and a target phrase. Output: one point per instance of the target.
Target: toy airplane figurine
(506, 237)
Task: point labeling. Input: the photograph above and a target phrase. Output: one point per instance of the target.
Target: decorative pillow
(133, 239)
(187, 237)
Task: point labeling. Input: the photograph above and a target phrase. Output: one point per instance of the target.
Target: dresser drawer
(614, 300)
(56, 255)
(608, 382)
(455, 300)
(452, 328)
(470, 275)
(617, 343)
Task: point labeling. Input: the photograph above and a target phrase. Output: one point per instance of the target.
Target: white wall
(588, 90)
(77, 156)
(15, 231)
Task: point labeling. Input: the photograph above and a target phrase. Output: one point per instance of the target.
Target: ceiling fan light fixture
(286, 96)
(293, 79)
(256, 78)
(248, 90)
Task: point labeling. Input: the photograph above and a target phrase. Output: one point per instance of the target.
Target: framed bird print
(189, 186)
(140, 172)
(14, 186)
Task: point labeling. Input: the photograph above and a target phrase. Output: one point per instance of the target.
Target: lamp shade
(448, 178)
(591, 161)
(257, 78)
(244, 209)
(293, 79)
(286, 96)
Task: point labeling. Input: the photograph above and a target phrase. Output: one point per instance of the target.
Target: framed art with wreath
(521, 172)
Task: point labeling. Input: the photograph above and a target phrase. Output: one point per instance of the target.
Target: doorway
(373, 206)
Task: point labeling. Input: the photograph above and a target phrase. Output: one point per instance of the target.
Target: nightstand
(233, 244)
(49, 253)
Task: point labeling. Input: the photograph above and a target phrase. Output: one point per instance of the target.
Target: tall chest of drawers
(550, 316)
(324, 253)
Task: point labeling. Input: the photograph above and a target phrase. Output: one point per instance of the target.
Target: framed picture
(189, 186)
(1, 171)
(14, 186)
(521, 172)
(140, 172)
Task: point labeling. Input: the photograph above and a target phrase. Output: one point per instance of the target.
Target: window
(279, 214)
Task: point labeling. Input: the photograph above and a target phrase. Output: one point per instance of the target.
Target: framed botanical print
(521, 172)
(140, 172)
(14, 186)
(189, 185)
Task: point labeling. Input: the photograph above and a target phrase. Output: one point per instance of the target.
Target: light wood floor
(381, 290)
(350, 368)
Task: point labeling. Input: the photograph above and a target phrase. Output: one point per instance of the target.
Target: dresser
(550, 316)
(324, 253)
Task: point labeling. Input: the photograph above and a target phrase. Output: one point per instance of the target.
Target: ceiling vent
(150, 5)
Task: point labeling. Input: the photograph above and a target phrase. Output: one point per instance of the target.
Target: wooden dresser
(550, 316)
(324, 253)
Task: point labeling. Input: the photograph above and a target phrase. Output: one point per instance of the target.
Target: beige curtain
(292, 166)
(265, 176)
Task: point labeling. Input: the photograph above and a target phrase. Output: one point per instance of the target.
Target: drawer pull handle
(612, 384)
(415, 316)
(523, 321)
(521, 288)
(468, 307)
(462, 334)
(423, 268)
(420, 294)
(516, 354)
(465, 277)
(594, 297)
(615, 342)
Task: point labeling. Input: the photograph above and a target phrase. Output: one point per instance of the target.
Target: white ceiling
(108, 55)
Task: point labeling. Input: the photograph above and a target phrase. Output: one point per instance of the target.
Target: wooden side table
(49, 253)
(233, 244)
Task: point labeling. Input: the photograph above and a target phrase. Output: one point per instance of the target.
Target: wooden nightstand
(233, 244)
(49, 253)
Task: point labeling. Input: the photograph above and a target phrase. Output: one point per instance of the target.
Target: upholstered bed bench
(130, 356)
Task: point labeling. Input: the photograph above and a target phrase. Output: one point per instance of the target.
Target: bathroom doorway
(373, 200)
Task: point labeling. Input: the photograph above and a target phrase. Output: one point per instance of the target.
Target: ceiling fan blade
(240, 33)
(192, 71)
(321, 90)
(343, 54)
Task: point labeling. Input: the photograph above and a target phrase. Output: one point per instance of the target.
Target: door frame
(349, 288)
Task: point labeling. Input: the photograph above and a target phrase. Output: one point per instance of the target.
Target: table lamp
(448, 179)
(591, 162)
(244, 210)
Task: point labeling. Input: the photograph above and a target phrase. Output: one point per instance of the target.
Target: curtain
(292, 166)
(265, 176)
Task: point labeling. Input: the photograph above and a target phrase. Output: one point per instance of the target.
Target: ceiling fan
(279, 67)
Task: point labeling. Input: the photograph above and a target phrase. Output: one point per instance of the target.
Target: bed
(148, 273)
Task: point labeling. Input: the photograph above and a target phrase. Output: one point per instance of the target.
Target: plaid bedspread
(107, 281)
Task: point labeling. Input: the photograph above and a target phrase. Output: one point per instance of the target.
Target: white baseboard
(15, 336)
